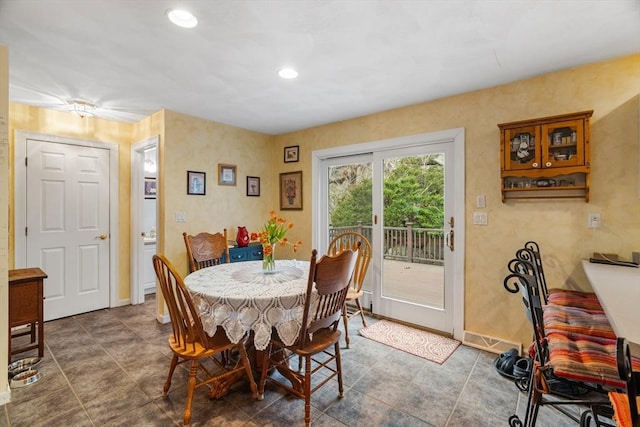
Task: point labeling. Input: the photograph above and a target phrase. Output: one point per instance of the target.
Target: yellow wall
(188, 143)
(560, 226)
(193, 144)
(4, 220)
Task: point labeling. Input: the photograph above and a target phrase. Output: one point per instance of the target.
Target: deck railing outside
(409, 244)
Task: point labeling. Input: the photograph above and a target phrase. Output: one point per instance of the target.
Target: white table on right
(618, 290)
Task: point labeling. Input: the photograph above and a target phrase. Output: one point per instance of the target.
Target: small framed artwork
(291, 154)
(291, 190)
(149, 188)
(226, 174)
(253, 186)
(196, 183)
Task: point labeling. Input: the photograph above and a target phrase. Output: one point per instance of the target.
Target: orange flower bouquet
(273, 233)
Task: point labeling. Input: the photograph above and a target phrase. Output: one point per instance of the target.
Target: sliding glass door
(413, 236)
(397, 198)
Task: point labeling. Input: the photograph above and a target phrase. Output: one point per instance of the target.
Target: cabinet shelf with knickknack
(547, 157)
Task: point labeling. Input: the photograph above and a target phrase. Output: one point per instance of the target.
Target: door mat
(424, 344)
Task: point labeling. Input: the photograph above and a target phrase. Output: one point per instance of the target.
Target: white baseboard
(123, 302)
(5, 396)
(491, 344)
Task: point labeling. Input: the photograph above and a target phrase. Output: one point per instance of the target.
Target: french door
(401, 199)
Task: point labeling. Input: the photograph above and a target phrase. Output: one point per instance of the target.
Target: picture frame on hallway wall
(291, 190)
(196, 183)
(291, 154)
(150, 188)
(253, 186)
(227, 174)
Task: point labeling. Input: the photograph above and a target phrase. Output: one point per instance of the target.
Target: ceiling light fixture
(182, 18)
(82, 108)
(288, 73)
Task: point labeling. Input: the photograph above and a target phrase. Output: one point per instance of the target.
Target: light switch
(480, 218)
(594, 220)
(481, 201)
(181, 216)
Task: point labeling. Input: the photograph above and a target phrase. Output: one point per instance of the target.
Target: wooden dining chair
(327, 287)
(190, 343)
(350, 240)
(206, 249)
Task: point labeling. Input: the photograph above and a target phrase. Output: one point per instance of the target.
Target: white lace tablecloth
(241, 298)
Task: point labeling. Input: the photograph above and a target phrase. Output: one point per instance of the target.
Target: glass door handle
(449, 240)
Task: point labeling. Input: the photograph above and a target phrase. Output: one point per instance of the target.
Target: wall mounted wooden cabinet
(548, 157)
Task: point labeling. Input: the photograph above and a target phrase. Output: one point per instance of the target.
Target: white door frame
(20, 201)
(137, 207)
(320, 219)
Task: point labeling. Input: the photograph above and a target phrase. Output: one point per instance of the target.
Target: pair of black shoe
(511, 365)
(514, 367)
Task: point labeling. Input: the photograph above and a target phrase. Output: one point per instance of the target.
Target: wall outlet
(181, 216)
(593, 220)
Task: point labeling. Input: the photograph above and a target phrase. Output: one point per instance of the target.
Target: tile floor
(108, 367)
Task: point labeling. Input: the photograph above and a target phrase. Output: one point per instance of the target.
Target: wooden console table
(26, 308)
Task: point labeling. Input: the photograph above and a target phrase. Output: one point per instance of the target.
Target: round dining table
(243, 299)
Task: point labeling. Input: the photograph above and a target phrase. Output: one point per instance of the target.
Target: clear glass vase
(269, 259)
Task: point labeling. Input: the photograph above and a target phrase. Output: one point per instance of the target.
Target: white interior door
(67, 224)
(144, 161)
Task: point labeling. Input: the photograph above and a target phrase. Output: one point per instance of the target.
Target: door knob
(102, 237)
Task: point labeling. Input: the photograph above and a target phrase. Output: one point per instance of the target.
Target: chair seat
(321, 340)
(353, 294)
(585, 300)
(574, 320)
(197, 350)
(588, 359)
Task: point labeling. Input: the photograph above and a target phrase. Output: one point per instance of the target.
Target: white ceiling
(354, 57)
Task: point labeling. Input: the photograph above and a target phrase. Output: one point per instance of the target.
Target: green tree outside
(413, 191)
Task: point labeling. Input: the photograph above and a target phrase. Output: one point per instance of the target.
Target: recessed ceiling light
(288, 73)
(182, 18)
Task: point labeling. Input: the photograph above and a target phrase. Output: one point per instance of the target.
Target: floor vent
(492, 344)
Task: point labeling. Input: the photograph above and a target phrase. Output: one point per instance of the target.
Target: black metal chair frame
(527, 285)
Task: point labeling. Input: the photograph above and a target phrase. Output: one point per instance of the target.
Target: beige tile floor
(107, 368)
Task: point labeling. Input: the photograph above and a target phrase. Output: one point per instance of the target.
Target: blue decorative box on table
(253, 252)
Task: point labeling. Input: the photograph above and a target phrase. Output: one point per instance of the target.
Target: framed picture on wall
(291, 154)
(196, 183)
(149, 188)
(253, 186)
(226, 174)
(291, 190)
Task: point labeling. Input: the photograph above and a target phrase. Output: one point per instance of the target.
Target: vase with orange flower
(273, 233)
